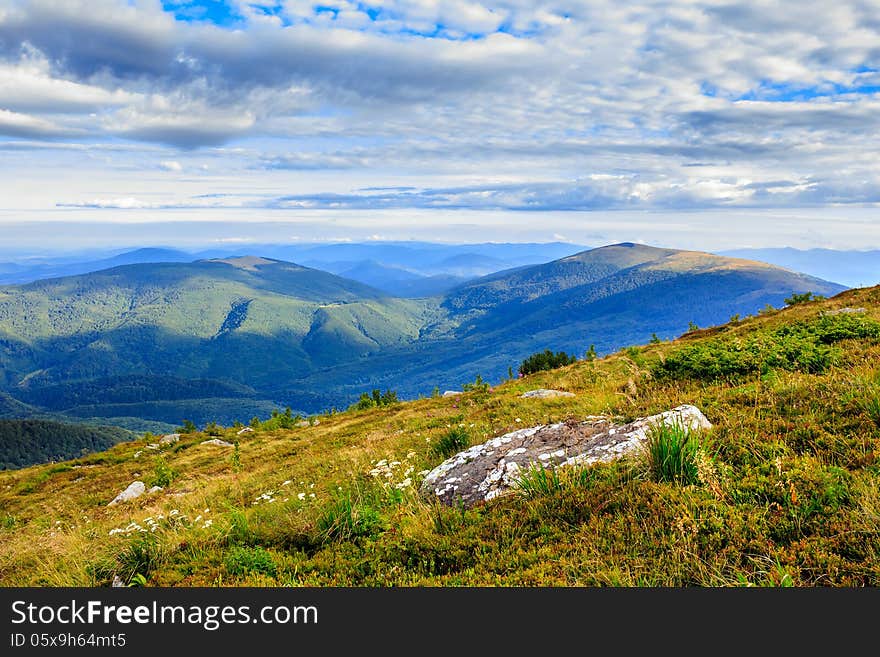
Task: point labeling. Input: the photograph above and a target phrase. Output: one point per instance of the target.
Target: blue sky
(414, 118)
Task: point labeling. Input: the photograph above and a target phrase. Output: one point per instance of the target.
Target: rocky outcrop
(542, 393)
(486, 471)
(169, 439)
(217, 442)
(452, 393)
(244, 430)
(135, 490)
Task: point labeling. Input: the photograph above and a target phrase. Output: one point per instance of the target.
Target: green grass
(785, 492)
(455, 440)
(671, 454)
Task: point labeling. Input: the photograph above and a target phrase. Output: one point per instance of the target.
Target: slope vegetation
(784, 489)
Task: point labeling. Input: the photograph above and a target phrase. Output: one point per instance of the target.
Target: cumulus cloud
(529, 105)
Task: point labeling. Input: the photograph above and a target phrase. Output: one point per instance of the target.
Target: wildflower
(301, 496)
(312, 495)
(207, 524)
(286, 482)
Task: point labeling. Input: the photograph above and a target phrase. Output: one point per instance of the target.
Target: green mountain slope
(294, 336)
(249, 320)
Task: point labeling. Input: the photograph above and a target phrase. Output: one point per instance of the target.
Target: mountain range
(228, 338)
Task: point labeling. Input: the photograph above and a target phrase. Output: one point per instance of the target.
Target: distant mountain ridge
(259, 332)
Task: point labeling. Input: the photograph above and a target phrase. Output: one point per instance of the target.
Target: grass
(452, 442)
(790, 495)
(671, 454)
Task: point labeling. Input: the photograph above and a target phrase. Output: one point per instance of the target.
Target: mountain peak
(248, 262)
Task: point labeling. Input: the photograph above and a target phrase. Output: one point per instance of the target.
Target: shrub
(805, 346)
(213, 429)
(545, 360)
(671, 454)
(187, 427)
(806, 297)
(477, 386)
(243, 560)
(163, 474)
(452, 442)
(376, 398)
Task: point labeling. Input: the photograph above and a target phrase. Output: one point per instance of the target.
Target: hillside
(785, 489)
(25, 442)
(231, 338)
(233, 322)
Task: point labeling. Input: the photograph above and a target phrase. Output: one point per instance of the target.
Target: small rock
(135, 489)
(155, 489)
(216, 441)
(543, 393)
(303, 423)
(245, 430)
(847, 311)
(170, 438)
(452, 393)
(117, 582)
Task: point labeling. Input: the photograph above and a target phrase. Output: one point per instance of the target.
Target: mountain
(24, 273)
(851, 268)
(400, 282)
(781, 491)
(236, 337)
(248, 320)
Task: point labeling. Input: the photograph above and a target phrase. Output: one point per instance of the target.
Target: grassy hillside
(787, 492)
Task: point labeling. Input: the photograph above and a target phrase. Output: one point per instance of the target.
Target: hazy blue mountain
(234, 337)
(850, 268)
(22, 273)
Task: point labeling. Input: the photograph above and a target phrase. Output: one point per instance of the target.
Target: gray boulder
(543, 393)
(217, 442)
(486, 471)
(452, 393)
(169, 439)
(135, 489)
(244, 430)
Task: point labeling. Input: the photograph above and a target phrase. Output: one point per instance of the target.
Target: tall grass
(671, 454)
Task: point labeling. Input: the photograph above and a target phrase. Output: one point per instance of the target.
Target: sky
(692, 123)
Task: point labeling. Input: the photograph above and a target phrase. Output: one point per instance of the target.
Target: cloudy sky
(702, 124)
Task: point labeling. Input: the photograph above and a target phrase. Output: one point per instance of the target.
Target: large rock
(486, 471)
(542, 393)
(169, 439)
(135, 489)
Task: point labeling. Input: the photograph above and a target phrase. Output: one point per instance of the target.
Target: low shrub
(242, 560)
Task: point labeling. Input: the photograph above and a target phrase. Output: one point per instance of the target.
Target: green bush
(452, 442)
(141, 556)
(477, 386)
(244, 560)
(805, 346)
(671, 454)
(806, 297)
(376, 398)
(163, 474)
(545, 360)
